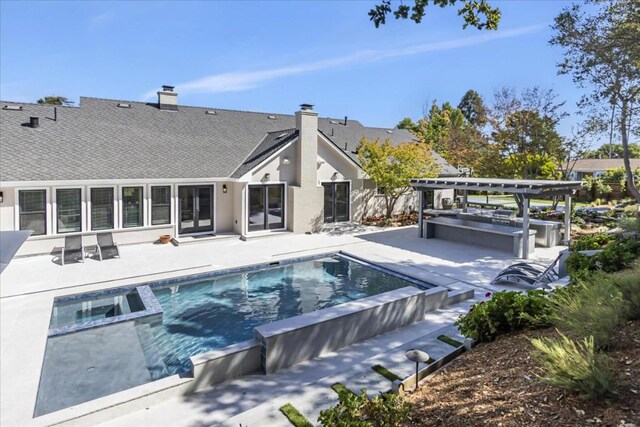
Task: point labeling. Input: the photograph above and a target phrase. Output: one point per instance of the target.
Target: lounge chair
(528, 274)
(73, 248)
(106, 247)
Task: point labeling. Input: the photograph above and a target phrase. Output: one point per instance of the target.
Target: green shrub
(617, 255)
(591, 306)
(357, 410)
(506, 311)
(628, 282)
(592, 241)
(575, 366)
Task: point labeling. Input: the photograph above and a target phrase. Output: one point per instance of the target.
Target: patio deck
(28, 285)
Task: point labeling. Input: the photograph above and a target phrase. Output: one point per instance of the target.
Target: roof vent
(123, 105)
(389, 131)
(12, 107)
(211, 112)
(282, 135)
(271, 117)
(334, 122)
(34, 122)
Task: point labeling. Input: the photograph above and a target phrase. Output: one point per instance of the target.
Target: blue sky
(273, 55)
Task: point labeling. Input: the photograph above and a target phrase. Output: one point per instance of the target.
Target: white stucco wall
(7, 211)
(277, 169)
(224, 207)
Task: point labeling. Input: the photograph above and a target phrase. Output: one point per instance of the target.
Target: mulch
(496, 385)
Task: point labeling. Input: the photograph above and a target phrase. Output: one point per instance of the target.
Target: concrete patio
(28, 287)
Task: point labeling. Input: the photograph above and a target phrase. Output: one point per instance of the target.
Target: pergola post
(420, 213)
(465, 195)
(567, 219)
(525, 227)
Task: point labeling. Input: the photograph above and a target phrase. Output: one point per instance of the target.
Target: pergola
(523, 189)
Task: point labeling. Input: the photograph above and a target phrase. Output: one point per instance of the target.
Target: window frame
(47, 209)
(150, 210)
(90, 207)
(143, 205)
(83, 208)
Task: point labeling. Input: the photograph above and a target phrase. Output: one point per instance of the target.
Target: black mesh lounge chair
(106, 247)
(528, 274)
(73, 249)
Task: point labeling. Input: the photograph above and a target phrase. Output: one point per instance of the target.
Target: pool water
(214, 313)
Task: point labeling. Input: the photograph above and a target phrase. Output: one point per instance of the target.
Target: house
(142, 170)
(597, 167)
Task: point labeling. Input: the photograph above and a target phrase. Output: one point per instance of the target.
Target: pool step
(153, 357)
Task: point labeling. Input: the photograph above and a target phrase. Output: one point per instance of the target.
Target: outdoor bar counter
(494, 236)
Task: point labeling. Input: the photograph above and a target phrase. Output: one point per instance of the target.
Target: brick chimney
(167, 99)
(307, 153)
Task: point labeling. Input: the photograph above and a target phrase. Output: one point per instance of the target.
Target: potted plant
(165, 238)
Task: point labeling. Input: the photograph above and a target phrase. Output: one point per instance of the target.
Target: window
(33, 211)
(132, 207)
(160, 205)
(69, 210)
(101, 208)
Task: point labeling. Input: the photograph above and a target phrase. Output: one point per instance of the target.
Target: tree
(601, 44)
(391, 167)
(477, 13)
(408, 124)
(524, 128)
(617, 152)
(473, 108)
(54, 100)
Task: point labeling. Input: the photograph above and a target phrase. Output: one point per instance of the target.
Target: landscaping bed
(398, 220)
(496, 384)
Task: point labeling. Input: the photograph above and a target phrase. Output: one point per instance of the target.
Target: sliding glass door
(196, 209)
(336, 201)
(266, 207)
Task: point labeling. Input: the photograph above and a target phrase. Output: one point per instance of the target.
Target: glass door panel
(336, 201)
(196, 209)
(266, 207)
(205, 208)
(275, 217)
(187, 209)
(329, 195)
(256, 207)
(342, 201)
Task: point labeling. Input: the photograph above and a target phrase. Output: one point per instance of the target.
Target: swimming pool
(198, 314)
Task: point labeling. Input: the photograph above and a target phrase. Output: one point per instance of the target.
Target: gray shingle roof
(269, 145)
(99, 140)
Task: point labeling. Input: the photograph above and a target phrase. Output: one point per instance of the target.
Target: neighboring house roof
(597, 165)
(99, 140)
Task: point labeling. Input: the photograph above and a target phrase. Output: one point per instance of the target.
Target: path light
(418, 357)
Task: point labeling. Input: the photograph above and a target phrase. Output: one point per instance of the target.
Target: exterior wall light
(1, 196)
(334, 176)
(267, 176)
(224, 188)
(286, 161)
